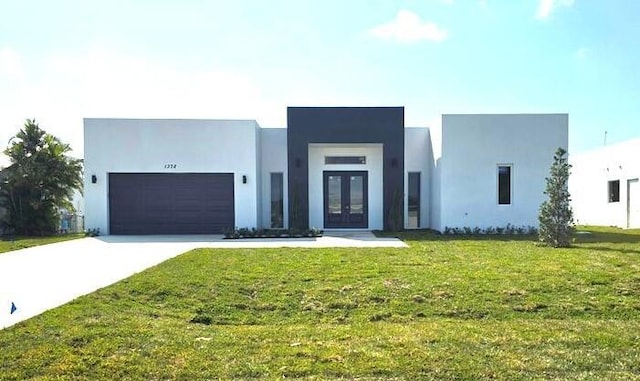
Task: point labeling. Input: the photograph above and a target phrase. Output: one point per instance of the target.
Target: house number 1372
(170, 166)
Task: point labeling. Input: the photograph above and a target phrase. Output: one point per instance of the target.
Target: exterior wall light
(244, 179)
(94, 179)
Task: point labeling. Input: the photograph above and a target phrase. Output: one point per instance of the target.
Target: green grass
(466, 308)
(24, 242)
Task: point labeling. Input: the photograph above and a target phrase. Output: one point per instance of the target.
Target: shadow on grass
(601, 234)
(583, 235)
(610, 249)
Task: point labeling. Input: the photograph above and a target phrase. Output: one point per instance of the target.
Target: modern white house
(330, 168)
(604, 185)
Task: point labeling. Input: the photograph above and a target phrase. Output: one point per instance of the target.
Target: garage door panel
(170, 203)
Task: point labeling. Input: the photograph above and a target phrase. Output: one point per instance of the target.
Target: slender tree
(556, 216)
(39, 182)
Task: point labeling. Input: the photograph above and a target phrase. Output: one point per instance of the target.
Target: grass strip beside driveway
(8, 244)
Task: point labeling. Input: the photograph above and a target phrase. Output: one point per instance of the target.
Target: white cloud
(407, 27)
(546, 7)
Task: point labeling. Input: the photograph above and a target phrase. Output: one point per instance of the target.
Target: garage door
(170, 203)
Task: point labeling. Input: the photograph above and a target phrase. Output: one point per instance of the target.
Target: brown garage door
(170, 203)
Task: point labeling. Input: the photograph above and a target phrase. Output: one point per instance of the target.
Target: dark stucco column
(350, 125)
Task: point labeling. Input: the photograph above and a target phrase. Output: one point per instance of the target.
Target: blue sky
(62, 60)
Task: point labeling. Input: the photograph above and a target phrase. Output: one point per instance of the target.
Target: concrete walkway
(43, 277)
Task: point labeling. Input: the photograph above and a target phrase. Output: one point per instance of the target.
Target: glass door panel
(356, 200)
(334, 198)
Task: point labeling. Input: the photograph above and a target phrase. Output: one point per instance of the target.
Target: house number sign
(170, 166)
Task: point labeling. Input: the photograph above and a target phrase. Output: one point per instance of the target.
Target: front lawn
(446, 308)
(16, 243)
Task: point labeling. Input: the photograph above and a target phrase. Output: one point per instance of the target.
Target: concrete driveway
(43, 277)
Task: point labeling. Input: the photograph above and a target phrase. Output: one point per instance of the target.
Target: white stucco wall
(435, 215)
(418, 157)
(588, 185)
(373, 152)
(472, 148)
(273, 159)
(258, 175)
(194, 146)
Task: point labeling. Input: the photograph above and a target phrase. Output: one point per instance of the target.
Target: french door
(345, 199)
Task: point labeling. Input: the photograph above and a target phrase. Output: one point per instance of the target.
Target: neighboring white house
(604, 185)
(331, 168)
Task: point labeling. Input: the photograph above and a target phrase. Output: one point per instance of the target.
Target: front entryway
(345, 199)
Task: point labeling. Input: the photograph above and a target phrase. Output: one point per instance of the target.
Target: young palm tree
(40, 181)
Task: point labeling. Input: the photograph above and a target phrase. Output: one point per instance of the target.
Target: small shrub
(509, 229)
(229, 233)
(92, 232)
(316, 232)
(271, 233)
(490, 230)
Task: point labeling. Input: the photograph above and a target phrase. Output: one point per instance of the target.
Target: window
(504, 185)
(413, 203)
(345, 160)
(277, 205)
(614, 191)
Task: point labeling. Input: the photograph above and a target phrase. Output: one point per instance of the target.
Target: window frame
(498, 188)
(273, 223)
(345, 160)
(613, 197)
(418, 198)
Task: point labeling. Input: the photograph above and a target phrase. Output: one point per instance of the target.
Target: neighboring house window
(504, 185)
(414, 200)
(614, 191)
(345, 160)
(277, 204)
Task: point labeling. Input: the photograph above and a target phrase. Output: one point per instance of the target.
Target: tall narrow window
(414, 200)
(504, 184)
(277, 205)
(614, 191)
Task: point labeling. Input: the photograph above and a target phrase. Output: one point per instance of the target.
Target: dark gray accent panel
(307, 125)
(170, 203)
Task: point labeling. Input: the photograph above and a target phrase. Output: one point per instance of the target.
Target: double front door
(345, 199)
